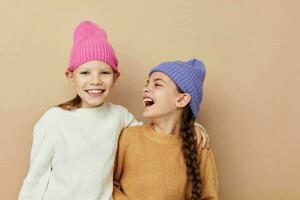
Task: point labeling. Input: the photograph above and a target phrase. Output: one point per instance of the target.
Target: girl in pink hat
(74, 143)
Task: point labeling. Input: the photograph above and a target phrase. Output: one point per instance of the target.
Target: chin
(92, 104)
(146, 114)
(96, 103)
(150, 115)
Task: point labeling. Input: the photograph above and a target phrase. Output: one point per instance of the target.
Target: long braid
(189, 146)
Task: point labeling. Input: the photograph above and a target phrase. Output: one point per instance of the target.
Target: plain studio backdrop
(251, 99)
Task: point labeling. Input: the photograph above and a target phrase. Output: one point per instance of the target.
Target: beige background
(251, 104)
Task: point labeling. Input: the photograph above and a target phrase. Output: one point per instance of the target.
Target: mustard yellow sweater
(151, 166)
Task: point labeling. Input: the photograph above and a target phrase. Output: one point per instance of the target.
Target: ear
(183, 100)
(70, 77)
(116, 76)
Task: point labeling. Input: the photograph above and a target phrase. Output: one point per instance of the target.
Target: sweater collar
(161, 137)
(91, 111)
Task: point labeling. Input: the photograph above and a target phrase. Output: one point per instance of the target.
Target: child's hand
(202, 137)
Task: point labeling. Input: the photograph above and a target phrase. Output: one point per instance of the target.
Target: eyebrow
(84, 68)
(159, 79)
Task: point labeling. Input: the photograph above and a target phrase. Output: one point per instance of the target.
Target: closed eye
(84, 73)
(106, 72)
(158, 83)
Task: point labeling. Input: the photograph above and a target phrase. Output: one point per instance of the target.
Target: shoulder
(205, 155)
(54, 112)
(121, 111)
(131, 134)
(134, 130)
(50, 117)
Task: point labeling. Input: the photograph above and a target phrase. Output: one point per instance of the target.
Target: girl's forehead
(159, 76)
(95, 64)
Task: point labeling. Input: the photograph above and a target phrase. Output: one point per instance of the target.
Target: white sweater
(73, 153)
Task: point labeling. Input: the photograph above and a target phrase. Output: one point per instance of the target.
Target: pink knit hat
(90, 43)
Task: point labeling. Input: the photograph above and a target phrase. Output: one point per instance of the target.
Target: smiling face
(161, 97)
(93, 82)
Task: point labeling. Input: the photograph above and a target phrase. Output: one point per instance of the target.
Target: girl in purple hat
(74, 143)
(161, 161)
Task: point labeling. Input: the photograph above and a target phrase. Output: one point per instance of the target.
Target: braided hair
(189, 146)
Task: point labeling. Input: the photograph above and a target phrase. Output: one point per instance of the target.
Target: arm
(209, 175)
(130, 120)
(35, 183)
(118, 193)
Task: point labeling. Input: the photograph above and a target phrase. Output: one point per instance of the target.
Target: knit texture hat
(188, 76)
(90, 43)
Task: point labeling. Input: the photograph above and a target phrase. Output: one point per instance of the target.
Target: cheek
(165, 98)
(109, 82)
(79, 82)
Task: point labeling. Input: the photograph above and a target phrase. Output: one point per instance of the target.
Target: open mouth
(95, 92)
(148, 101)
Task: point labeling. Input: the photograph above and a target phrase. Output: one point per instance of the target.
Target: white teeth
(148, 99)
(95, 91)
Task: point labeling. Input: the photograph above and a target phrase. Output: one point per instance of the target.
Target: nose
(146, 89)
(96, 80)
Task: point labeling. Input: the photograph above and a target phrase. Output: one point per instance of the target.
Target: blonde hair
(71, 104)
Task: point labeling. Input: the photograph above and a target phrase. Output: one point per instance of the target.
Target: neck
(168, 124)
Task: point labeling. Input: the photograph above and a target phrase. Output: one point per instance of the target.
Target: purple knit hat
(188, 76)
(90, 43)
